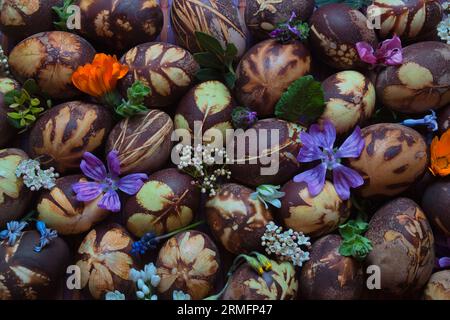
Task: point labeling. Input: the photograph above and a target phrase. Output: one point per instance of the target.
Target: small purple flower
(388, 53)
(444, 262)
(291, 29)
(107, 182)
(47, 235)
(13, 231)
(319, 145)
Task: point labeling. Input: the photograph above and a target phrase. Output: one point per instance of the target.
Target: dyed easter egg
(436, 204)
(8, 84)
(438, 287)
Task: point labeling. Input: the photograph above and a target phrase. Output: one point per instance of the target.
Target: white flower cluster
(443, 28)
(114, 295)
(34, 177)
(201, 163)
(146, 282)
(4, 66)
(180, 295)
(287, 245)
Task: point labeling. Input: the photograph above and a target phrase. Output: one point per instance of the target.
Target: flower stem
(191, 226)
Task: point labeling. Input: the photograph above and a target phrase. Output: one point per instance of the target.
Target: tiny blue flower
(430, 121)
(148, 242)
(13, 231)
(47, 235)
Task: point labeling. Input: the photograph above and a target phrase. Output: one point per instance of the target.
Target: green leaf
(230, 79)
(208, 60)
(31, 87)
(302, 102)
(355, 4)
(14, 115)
(63, 14)
(30, 117)
(35, 102)
(11, 96)
(208, 74)
(209, 43)
(231, 51)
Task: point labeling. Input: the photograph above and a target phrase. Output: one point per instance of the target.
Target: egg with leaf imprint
(236, 219)
(438, 287)
(420, 83)
(167, 201)
(120, 25)
(105, 260)
(50, 58)
(328, 275)
(349, 100)
(394, 157)
(403, 248)
(6, 129)
(29, 275)
(143, 142)
(60, 209)
(64, 133)
(188, 262)
(168, 70)
(278, 284)
(436, 204)
(314, 216)
(20, 19)
(8, 84)
(14, 195)
(218, 18)
(267, 70)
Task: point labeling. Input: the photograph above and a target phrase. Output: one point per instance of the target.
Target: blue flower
(430, 121)
(148, 242)
(13, 231)
(47, 235)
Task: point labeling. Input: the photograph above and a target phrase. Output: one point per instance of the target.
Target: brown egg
(205, 109)
(270, 155)
(65, 132)
(29, 275)
(120, 25)
(420, 83)
(237, 220)
(328, 275)
(335, 30)
(188, 262)
(50, 58)
(105, 260)
(394, 157)
(278, 284)
(349, 100)
(61, 211)
(436, 204)
(219, 18)
(403, 248)
(168, 70)
(168, 201)
(444, 119)
(7, 131)
(314, 216)
(8, 84)
(20, 19)
(143, 142)
(267, 70)
(262, 17)
(14, 195)
(406, 19)
(438, 287)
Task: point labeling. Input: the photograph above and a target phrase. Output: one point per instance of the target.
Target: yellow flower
(440, 155)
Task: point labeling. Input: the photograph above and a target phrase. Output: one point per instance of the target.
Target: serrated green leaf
(209, 43)
(302, 102)
(208, 60)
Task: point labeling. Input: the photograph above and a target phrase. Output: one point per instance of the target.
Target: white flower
(154, 280)
(114, 295)
(140, 295)
(180, 295)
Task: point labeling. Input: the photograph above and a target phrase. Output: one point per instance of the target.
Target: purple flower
(107, 182)
(444, 262)
(388, 53)
(291, 29)
(319, 145)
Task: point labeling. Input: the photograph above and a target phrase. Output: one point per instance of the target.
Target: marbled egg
(267, 70)
(120, 25)
(168, 70)
(328, 275)
(50, 58)
(278, 284)
(105, 260)
(262, 17)
(420, 83)
(403, 248)
(314, 216)
(335, 30)
(204, 109)
(218, 18)
(436, 204)
(29, 275)
(143, 142)
(64, 133)
(438, 287)
(188, 262)
(270, 154)
(60, 209)
(14, 195)
(394, 157)
(237, 220)
(349, 100)
(167, 201)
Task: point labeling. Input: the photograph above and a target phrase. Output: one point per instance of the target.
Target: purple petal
(110, 201)
(309, 150)
(444, 262)
(87, 191)
(352, 146)
(390, 51)
(325, 136)
(93, 167)
(314, 178)
(113, 162)
(345, 178)
(366, 52)
(132, 183)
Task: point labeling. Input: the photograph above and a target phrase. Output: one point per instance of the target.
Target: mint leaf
(208, 60)
(302, 102)
(209, 43)
(354, 244)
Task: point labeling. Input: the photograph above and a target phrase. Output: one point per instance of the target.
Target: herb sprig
(135, 100)
(63, 14)
(354, 243)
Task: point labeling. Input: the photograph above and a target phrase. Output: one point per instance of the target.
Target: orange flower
(99, 77)
(440, 155)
